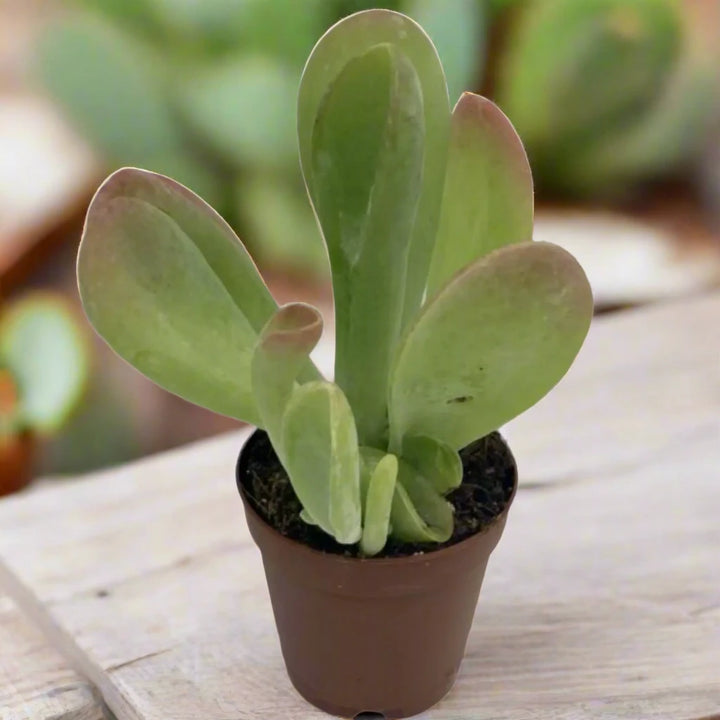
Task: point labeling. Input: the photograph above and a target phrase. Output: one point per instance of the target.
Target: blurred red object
(16, 459)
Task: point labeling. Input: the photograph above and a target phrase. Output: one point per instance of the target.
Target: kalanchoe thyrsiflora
(450, 321)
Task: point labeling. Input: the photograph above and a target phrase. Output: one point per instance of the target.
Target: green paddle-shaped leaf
(46, 354)
(367, 152)
(351, 38)
(488, 197)
(321, 456)
(169, 286)
(490, 344)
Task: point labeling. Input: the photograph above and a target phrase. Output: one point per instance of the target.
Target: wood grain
(36, 682)
(602, 600)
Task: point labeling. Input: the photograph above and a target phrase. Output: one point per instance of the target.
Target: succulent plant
(204, 92)
(450, 321)
(605, 93)
(43, 366)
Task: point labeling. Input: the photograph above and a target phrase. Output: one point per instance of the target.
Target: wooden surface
(633, 260)
(36, 682)
(602, 600)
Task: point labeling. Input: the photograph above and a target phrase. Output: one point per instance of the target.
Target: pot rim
(417, 558)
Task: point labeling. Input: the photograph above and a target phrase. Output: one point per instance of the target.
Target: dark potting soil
(485, 491)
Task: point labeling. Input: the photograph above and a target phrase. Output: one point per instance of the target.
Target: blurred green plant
(449, 320)
(205, 92)
(43, 366)
(604, 93)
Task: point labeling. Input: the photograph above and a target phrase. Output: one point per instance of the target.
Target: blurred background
(617, 102)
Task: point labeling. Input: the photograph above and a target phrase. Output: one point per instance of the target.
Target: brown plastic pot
(16, 456)
(382, 635)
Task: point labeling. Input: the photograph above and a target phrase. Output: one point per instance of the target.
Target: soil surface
(484, 493)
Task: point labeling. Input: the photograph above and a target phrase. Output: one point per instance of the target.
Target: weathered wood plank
(602, 600)
(36, 682)
(644, 381)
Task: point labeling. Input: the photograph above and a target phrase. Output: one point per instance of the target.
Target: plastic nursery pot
(16, 456)
(380, 635)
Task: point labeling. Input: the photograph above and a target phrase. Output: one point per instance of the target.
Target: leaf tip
(295, 325)
(486, 115)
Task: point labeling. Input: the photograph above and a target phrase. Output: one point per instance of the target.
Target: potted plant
(43, 368)
(375, 499)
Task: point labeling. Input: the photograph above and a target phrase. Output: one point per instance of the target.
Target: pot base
(426, 699)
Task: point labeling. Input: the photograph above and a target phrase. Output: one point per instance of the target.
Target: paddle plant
(449, 320)
(43, 371)
(204, 91)
(606, 94)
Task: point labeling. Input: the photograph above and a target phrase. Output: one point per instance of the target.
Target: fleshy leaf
(434, 460)
(493, 342)
(457, 30)
(244, 109)
(579, 73)
(140, 16)
(283, 348)
(657, 140)
(369, 458)
(366, 167)
(154, 252)
(419, 513)
(285, 29)
(125, 115)
(321, 456)
(108, 84)
(488, 196)
(406, 521)
(575, 67)
(378, 504)
(274, 211)
(206, 28)
(306, 517)
(46, 354)
(351, 38)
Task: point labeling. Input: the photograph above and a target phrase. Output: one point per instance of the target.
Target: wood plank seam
(35, 683)
(62, 642)
(681, 438)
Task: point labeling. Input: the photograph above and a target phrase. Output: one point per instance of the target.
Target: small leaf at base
(434, 460)
(378, 505)
(321, 456)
